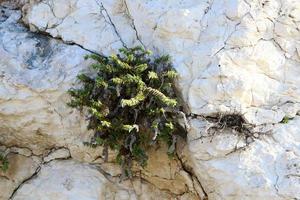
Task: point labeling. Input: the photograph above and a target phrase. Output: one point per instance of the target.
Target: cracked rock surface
(35, 73)
(216, 46)
(233, 56)
(53, 163)
(25, 165)
(265, 168)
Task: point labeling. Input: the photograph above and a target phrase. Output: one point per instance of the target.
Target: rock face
(265, 168)
(35, 73)
(71, 180)
(236, 57)
(24, 166)
(216, 47)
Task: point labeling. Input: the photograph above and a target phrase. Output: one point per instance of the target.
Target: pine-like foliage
(3, 163)
(131, 103)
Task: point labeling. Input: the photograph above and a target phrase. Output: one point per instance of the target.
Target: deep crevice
(25, 181)
(191, 175)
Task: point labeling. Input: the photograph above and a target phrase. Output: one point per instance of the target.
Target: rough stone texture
(21, 168)
(89, 23)
(216, 46)
(267, 168)
(70, 180)
(36, 71)
(233, 56)
(73, 180)
(55, 175)
(62, 153)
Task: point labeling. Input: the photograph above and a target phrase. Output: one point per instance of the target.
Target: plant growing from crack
(3, 163)
(130, 103)
(285, 120)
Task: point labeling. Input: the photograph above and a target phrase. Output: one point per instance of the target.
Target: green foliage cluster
(131, 103)
(3, 163)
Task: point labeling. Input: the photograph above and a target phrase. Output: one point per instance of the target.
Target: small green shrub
(130, 103)
(3, 163)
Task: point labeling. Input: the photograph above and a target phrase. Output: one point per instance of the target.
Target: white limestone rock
(68, 180)
(20, 169)
(73, 180)
(216, 46)
(267, 168)
(232, 56)
(90, 23)
(61, 153)
(36, 71)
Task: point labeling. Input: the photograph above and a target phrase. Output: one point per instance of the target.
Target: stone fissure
(37, 170)
(133, 24)
(35, 174)
(192, 175)
(244, 54)
(106, 15)
(51, 105)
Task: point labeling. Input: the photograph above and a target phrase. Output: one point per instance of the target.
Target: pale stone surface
(20, 169)
(216, 46)
(236, 56)
(234, 63)
(90, 23)
(36, 71)
(22, 151)
(166, 174)
(62, 153)
(72, 180)
(69, 180)
(268, 168)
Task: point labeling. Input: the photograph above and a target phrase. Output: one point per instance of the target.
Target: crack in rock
(105, 14)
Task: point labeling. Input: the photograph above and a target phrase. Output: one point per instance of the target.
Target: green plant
(3, 163)
(285, 120)
(130, 103)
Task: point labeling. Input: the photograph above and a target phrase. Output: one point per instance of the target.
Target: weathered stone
(67, 180)
(62, 153)
(234, 56)
(73, 180)
(36, 71)
(264, 169)
(216, 47)
(90, 23)
(22, 151)
(20, 169)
